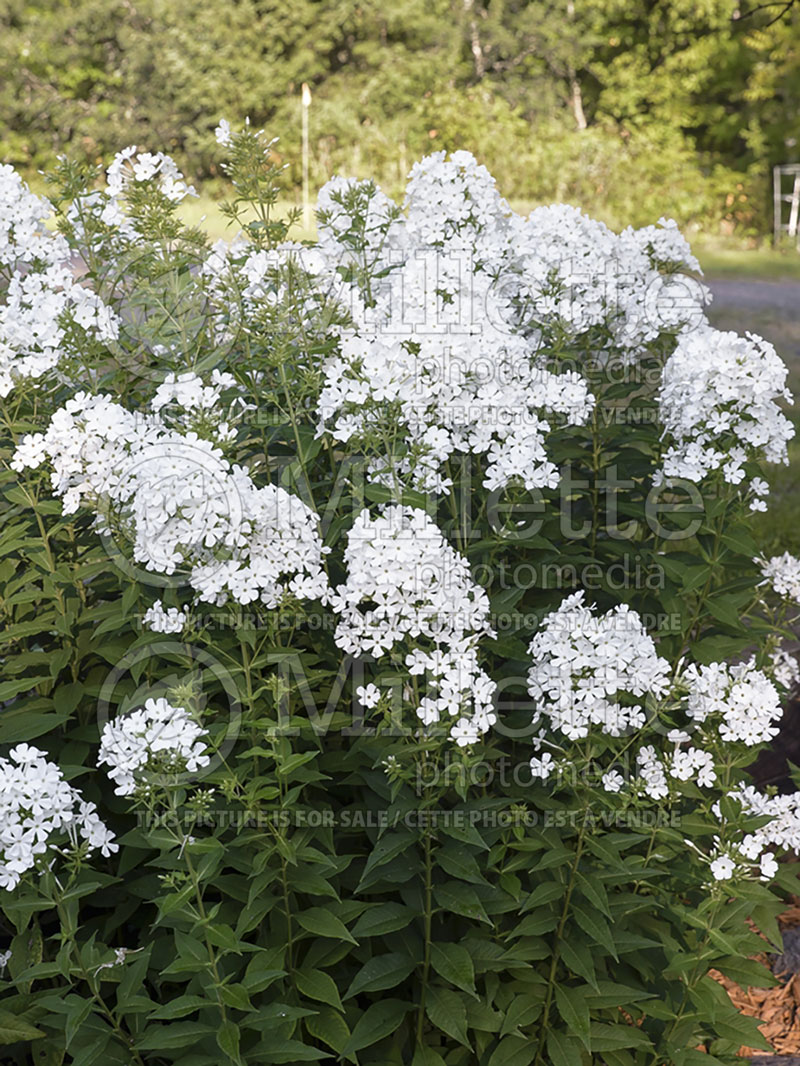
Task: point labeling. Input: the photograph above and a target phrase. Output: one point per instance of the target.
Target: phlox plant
(385, 641)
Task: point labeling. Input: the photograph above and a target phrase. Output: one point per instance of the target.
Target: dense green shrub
(393, 600)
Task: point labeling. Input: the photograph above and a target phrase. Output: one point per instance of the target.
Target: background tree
(570, 99)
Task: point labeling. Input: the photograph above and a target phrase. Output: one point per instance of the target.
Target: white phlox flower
(155, 739)
(42, 815)
(409, 592)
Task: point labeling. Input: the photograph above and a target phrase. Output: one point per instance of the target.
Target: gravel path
(755, 295)
(769, 308)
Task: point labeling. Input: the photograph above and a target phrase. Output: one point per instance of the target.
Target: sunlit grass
(778, 529)
(204, 211)
(729, 257)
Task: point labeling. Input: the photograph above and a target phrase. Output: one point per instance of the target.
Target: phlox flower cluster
(784, 669)
(155, 739)
(738, 856)
(445, 353)
(454, 202)
(24, 238)
(575, 276)
(164, 620)
(782, 574)
(724, 704)
(718, 403)
(131, 165)
(42, 815)
(783, 831)
(726, 865)
(45, 314)
(104, 218)
(593, 671)
(186, 402)
(737, 701)
(432, 365)
(180, 503)
(291, 290)
(655, 769)
(408, 592)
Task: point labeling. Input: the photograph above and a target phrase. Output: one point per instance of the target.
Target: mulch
(779, 1007)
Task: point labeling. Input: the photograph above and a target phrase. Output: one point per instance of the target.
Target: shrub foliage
(384, 638)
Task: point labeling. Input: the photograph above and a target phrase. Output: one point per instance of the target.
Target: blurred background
(629, 108)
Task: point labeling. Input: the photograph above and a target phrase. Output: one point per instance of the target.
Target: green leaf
(387, 848)
(512, 1051)
(461, 899)
(235, 995)
(746, 972)
(168, 1037)
(330, 1027)
(379, 1020)
(522, 1011)
(77, 1015)
(426, 1056)
(614, 994)
(564, 1050)
(179, 1008)
(742, 1030)
(572, 1007)
(740, 540)
(9, 689)
(596, 927)
(541, 921)
(47, 1052)
(320, 986)
(724, 609)
(14, 1029)
(92, 1052)
(284, 1050)
(262, 970)
(447, 1011)
(460, 864)
(228, 1040)
(454, 963)
(381, 972)
(617, 1037)
(594, 892)
(321, 922)
(547, 892)
(578, 957)
(385, 918)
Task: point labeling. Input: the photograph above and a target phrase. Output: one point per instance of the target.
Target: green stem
(697, 973)
(596, 456)
(426, 965)
(288, 911)
(124, 1037)
(690, 630)
(551, 980)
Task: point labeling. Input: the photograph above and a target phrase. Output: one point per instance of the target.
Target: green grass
(204, 211)
(729, 257)
(778, 529)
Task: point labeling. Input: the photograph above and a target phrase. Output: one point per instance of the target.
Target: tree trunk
(576, 99)
(475, 41)
(575, 94)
